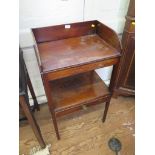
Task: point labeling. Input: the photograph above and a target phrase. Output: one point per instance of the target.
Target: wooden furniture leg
(31, 120)
(36, 105)
(55, 124)
(51, 106)
(106, 110)
(114, 77)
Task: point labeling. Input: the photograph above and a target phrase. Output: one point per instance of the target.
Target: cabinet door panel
(128, 65)
(130, 80)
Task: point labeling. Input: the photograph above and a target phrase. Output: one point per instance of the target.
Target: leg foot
(105, 111)
(55, 125)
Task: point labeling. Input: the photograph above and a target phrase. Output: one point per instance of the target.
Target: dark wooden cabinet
(126, 74)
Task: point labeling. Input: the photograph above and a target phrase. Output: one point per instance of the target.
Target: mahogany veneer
(67, 56)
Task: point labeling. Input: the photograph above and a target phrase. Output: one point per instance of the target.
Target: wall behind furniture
(39, 13)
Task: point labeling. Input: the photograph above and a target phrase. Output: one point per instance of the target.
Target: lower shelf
(69, 94)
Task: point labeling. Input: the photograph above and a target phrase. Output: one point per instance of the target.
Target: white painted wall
(38, 13)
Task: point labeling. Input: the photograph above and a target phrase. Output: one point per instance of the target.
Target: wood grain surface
(83, 133)
(77, 90)
(74, 51)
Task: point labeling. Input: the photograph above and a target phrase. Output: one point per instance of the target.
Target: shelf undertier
(71, 93)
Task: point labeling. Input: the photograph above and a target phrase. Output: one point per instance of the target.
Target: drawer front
(80, 69)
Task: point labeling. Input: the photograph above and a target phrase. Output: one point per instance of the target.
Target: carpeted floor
(83, 133)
